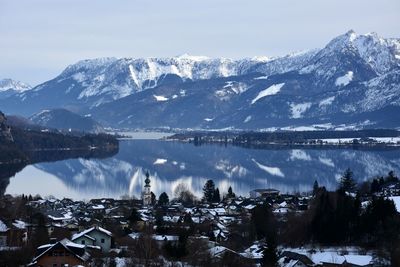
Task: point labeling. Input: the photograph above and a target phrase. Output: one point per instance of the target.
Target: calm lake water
(170, 163)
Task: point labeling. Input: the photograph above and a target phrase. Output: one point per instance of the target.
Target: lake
(171, 163)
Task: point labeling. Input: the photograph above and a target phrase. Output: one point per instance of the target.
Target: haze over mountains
(354, 81)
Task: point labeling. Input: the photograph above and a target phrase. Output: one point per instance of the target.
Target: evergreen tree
(208, 191)
(315, 187)
(347, 183)
(270, 254)
(375, 187)
(230, 193)
(216, 196)
(153, 198)
(391, 178)
(134, 216)
(163, 199)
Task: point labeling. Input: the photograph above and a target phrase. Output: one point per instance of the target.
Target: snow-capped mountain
(93, 82)
(353, 80)
(9, 84)
(10, 87)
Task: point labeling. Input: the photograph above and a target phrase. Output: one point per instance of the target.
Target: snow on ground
(271, 170)
(349, 140)
(338, 140)
(300, 128)
(297, 110)
(345, 79)
(396, 201)
(160, 161)
(160, 98)
(272, 90)
(387, 139)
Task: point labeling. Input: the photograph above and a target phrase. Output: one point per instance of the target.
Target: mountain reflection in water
(171, 163)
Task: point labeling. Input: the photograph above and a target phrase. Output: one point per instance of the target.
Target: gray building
(95, 236)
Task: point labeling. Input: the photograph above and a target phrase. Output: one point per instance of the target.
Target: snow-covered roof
(72, 244)
(396, 201)
(45, 246)
(98, 207)
(166, 237)
(250, 207)
(66, 216)
(19, 224)
(134, 235)
(333, 256)
(67, 244)
(217, 250)
(360, 260)
(3, 227)
(255, 251)
(86, 232)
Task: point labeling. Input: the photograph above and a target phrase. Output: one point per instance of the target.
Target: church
(146, 196)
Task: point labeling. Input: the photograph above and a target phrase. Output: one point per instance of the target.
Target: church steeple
(147, 191)
(147, 180)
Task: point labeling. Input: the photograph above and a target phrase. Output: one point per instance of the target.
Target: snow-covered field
(144, 135)
(349, 140)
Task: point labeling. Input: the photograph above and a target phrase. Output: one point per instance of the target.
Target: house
(257, 193)
(293, 259)
(3, 234)
(60, 254)
(95, 236)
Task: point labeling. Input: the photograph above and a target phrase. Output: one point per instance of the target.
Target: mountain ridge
(353, 74)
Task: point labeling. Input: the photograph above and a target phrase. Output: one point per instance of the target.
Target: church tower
(146, 191)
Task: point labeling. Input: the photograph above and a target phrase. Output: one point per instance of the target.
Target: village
(182, 232)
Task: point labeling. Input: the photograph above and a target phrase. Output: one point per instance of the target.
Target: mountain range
(352, 82)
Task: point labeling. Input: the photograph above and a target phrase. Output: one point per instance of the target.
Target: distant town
(356, 225)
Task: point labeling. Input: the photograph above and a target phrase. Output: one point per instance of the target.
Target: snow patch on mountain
(160, 161)
(272, 90)
(248, 118)
(79, 77)
(297, 110)
(133, 76)
(229, 89)
(236, 87)
(160, 98)
(345, 79)
(261, 78)
(326, 101)
(377, 96)
(42, 117)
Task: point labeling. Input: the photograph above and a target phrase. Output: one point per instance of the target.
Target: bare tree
(184, 195)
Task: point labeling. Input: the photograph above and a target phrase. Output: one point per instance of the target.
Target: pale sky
(39, 38)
